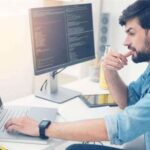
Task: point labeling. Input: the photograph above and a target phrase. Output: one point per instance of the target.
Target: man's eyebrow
(128, 30)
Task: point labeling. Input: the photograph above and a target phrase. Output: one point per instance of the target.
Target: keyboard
(9, 112)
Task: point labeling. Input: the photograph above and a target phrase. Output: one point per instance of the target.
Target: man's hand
(23, 125)
(114, 60)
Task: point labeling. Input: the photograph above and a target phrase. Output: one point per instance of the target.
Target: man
(134, 120)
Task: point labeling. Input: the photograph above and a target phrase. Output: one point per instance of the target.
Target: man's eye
(131, 33)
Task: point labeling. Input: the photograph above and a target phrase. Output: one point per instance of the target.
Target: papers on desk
(76, 110)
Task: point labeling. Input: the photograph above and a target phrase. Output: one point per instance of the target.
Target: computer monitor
(61, 36)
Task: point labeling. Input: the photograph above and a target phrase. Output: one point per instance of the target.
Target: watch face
(44, 123)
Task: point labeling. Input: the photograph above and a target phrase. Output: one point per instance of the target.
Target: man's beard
(141, 57)
(144, 54)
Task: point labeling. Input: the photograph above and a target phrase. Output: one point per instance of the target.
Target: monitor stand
(56, 94)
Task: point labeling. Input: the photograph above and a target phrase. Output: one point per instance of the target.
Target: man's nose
(126, 42)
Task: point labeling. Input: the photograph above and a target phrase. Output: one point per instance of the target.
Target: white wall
(16, 69)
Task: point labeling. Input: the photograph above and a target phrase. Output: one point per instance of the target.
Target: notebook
(37, 113)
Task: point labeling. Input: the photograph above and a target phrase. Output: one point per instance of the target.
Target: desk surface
(69, 111)
(86, 86)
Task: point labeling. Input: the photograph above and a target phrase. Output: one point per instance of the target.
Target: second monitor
(61, 36)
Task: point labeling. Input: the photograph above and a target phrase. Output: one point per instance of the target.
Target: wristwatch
(44, 124)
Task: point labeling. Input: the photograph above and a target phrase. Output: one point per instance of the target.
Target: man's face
(137, 40)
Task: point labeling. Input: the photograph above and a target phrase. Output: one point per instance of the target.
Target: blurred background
(16, 66)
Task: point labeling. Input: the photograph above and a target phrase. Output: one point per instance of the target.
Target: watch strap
(43, 127)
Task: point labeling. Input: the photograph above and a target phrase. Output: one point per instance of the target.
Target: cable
(44, 85)
(54, 73)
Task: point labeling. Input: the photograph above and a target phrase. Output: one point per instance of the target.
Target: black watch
(44, 124)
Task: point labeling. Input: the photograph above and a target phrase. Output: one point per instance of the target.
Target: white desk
(72, 110)
(86, 86)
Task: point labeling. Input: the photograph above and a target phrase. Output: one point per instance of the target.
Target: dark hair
(139, 9)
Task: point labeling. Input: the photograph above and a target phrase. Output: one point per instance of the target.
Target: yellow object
(110, 99)
(3, 148)
(103, 99)
(102, 81)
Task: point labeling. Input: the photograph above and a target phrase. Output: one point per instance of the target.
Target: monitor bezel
(47, 70)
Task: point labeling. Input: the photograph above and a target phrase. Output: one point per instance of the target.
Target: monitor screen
(61, 36)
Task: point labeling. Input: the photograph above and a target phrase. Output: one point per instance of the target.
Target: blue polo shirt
(134, 120)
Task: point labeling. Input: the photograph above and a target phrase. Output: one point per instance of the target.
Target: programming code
(62, 35)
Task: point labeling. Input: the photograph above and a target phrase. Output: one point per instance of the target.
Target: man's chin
(136, 60)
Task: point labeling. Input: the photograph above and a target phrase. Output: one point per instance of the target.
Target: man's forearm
(117, 88)
(88, 130)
